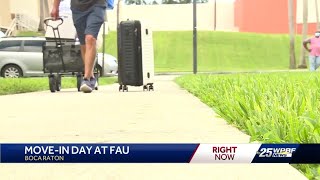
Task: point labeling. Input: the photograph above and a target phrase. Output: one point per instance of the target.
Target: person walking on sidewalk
(314, 56)
(88, 17)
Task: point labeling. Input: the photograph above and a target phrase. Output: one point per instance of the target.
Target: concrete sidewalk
(169, 114)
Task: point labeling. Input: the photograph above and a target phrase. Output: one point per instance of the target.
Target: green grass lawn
(217, 51)
(29, 33)
(271, 108)
(24, 85)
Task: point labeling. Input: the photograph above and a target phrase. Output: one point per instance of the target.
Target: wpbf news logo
(276, 152)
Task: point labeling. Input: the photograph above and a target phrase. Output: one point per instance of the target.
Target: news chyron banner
(160, 153)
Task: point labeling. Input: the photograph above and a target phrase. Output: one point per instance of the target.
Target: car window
(10, 45)
(33, 46)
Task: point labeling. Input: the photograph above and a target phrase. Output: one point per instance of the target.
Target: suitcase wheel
(123, 88)
(148, 87)
(151, 88)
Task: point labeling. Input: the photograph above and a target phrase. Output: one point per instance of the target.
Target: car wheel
(11, 71)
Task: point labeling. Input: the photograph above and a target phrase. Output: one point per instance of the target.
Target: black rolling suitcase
(129, 55)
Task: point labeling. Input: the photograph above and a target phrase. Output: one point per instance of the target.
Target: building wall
(311, 11)
(5, 17)
(29, 7)
(262, 16)
(312, 27)
(238, 13)
(312, 18)
(177, 17)
(159, 17)
(8, 7)
(225, 16)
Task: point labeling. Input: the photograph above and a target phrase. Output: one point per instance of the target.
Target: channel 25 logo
(276, 152)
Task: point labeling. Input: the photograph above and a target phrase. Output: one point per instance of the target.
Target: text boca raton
(77, 150)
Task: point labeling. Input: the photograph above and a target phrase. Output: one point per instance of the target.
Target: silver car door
(9, 52)
(33, 57)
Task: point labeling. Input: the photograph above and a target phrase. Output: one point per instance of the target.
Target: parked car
(111, 64)
(22, 57)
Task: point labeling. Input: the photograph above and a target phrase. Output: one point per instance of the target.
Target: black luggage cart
(62, 57)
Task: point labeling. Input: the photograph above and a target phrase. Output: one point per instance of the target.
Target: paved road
(169, 114)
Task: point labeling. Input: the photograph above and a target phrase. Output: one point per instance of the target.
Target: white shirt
(65, 7)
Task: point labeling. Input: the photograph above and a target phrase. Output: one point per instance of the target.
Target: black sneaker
(94, 83)
(86, 86)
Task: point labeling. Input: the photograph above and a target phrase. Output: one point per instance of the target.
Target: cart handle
(52, 19)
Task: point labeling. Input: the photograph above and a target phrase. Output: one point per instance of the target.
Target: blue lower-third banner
(160, 153)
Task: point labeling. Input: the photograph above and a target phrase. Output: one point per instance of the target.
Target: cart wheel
(58, 82)
(79, 79)
(120, 88)
(52, 83)
(96, 75)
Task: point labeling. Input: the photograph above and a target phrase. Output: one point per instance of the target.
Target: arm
(305, 44)
(55, 9)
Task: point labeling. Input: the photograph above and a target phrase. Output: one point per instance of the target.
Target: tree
(44, 13)
(41, 26)
(136, 2)
(185, 1)
(317, 14)
(303, 62)
(182, 1)
(170, 2)
(292, 34)
(154, 2)
(129, 2)
(118, 12)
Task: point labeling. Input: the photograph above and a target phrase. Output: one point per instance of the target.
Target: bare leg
(90, 55)
(83, 53)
